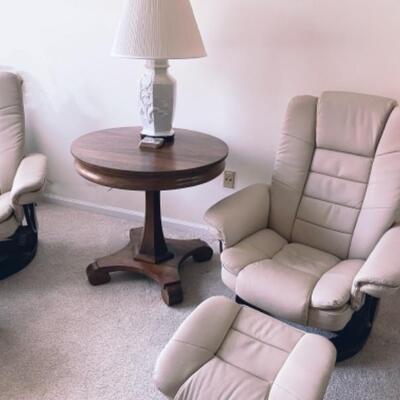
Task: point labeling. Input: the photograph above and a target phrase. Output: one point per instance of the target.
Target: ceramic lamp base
(157, 99)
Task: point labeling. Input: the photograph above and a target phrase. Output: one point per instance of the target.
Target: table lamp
(156, 31)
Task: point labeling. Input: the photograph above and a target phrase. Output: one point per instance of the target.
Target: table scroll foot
(96, 275)
(172, 294)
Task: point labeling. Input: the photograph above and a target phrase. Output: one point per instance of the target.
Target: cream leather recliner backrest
(11, 129)
(336, 180)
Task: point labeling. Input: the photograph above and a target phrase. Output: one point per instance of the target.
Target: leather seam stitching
(337, 177)
(312, 144)
(241, 369)
(331, 202)
(286, 185)
(387, 153)
(261, 341)
(297, 269)
(345, 152)
(378, 208)
(305, 272)
(323, 227)
(227, 332)
(193, 345)
(340, 151)
(246, 265)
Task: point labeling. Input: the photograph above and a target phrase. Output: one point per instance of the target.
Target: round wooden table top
(112, 158)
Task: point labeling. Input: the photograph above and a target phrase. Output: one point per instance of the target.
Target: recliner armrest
(240, 215)
(380, 274)
(29, 179)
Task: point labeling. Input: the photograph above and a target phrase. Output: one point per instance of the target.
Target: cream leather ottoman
(225, 351)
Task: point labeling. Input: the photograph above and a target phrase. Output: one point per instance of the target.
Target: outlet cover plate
(229, 179)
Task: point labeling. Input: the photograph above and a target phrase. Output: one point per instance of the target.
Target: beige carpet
(60, 338)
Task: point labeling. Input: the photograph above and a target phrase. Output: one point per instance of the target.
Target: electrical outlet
(229, 179)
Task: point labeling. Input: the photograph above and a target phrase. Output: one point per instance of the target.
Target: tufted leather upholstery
(12, 128)
(21, 177)
(243, 354)
(334, 197)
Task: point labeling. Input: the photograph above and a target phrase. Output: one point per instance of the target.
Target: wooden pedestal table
(112, 158)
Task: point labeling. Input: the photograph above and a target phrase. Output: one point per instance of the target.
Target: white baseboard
(115, 211)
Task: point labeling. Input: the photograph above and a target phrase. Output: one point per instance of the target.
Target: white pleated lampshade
(158, 29)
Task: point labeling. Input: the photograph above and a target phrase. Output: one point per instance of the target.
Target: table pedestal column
(150, 254)
(153, 247)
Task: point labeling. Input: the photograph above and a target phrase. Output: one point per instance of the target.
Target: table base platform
(165, 273)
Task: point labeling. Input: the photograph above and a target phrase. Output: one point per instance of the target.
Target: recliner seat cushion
(253, 357)
(6, 209)
(262, 244)
(291, 282)
(8, 220)
(284, 284)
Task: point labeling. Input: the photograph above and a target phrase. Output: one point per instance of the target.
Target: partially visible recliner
(320, 245)
(22, 178)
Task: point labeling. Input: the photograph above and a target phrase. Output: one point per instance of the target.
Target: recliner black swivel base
(353, 337)
(18, 250)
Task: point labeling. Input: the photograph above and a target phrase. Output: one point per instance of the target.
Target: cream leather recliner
(320, 244)
(21, 180)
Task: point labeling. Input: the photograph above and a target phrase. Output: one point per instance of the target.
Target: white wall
(261, 53)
